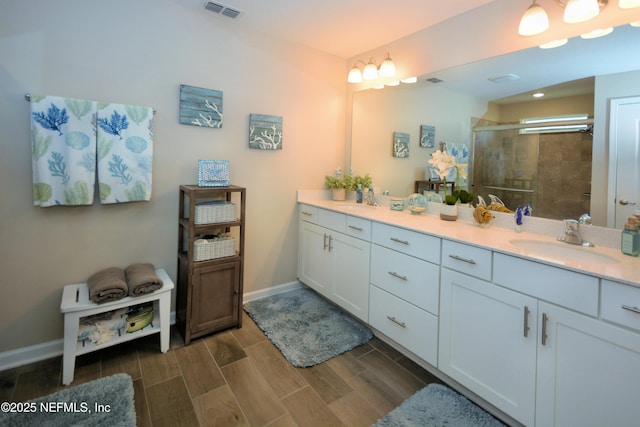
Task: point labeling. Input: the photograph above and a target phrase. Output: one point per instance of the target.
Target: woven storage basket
(214, 249)
(216, 211)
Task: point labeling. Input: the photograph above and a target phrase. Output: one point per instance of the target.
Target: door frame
(612, 174)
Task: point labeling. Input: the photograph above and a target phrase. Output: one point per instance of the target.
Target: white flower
(443, 163)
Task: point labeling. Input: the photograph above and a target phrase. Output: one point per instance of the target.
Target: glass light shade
(635, 23)
(534, 21)
(410, 80)
(355, 75)
(580, 11)
(387, 68)
(554, 43)
(597, 33)
(629, 4)
(370, 71)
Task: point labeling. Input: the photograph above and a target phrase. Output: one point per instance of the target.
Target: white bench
(76, 305)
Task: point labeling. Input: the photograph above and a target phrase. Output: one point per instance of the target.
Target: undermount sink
(562, 251)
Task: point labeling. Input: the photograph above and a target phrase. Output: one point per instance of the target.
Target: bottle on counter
(359, 194)
(631, 238)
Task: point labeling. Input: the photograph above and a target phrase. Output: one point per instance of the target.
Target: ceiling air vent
(222, 9)
(435, 80)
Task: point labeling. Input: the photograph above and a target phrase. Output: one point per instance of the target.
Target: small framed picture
(400, 144)
(427, 136)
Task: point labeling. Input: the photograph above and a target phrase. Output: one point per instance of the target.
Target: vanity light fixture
(394, 83)
(371, 71)
(535, 20)
(635, 23)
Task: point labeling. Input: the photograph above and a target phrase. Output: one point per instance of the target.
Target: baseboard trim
(262, 293)
(43, 351)
(35, 353)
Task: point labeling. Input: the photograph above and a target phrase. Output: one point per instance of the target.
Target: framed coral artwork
(427, 136)
(400, 144)
(265, 132)
(200, 107)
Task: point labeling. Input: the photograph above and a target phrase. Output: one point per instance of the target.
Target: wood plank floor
(237, 378)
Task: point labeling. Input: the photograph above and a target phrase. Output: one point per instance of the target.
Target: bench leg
(71, 325)
(165, 325)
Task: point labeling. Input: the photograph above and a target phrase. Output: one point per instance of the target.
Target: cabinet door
(588, 372)
(214, 304)
(488, 342)
(350, 273)
(314, 261)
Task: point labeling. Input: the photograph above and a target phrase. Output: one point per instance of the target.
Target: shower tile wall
(551, 172)
(564, 180)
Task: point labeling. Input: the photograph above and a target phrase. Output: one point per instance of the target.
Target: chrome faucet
(572, 233)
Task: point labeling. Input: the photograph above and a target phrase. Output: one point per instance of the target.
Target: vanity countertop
(615, 266)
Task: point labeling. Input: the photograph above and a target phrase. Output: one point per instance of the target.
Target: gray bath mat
(306, 328)
(438, 406)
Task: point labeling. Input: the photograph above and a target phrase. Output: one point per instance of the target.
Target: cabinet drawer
(467, 259)
(406, 324)
(562, 287)
(408, 242)
(621, 304)
(333, 220)
(359, 227)
(409, 278)
(309, 213)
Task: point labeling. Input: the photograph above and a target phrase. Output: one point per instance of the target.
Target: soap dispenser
(631, 238)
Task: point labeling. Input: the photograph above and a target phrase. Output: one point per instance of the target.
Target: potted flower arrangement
(444, 163)
(340, 183)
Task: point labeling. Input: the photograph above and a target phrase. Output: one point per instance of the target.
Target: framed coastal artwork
(265, 132)
(400, 144)
(200, 107)
(427, 136)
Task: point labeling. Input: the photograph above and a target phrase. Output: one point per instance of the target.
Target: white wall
(139, 52)
(379, 113)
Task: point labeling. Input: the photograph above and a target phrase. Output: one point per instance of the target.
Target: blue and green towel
(70, 137)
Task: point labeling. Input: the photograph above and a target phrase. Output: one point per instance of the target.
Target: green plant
(464, 196)
(346, 181)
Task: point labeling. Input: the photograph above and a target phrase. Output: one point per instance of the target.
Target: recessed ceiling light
(554, 43)
(538, 94)
(409, 80)
(597, 33)
(505, 78)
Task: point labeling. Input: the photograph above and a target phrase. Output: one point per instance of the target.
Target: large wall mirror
(583, 76)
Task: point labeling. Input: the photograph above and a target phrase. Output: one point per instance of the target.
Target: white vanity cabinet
(487, 333)
(588, 371)
(335, 263)
(404, 294)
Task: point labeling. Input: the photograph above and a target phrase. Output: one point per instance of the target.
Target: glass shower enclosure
(549, 171)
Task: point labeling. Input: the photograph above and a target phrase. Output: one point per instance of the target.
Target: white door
(351, 274)
(588, 372)
(624, 161)
(488, 342)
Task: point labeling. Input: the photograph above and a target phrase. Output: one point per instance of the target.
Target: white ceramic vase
(449, 212)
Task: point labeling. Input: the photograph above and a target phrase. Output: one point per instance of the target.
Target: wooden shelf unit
(209, 292)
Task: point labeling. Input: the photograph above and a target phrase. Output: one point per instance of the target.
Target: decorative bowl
(416, 203)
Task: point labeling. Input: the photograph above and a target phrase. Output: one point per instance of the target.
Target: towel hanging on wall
(63, 141)
(125, 152)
